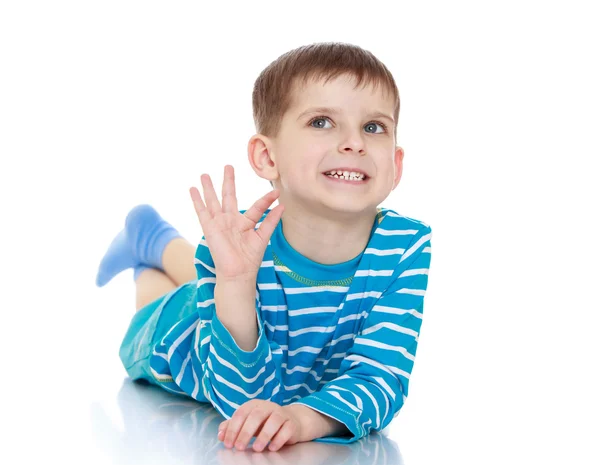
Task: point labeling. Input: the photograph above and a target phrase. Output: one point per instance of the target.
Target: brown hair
(271, 96)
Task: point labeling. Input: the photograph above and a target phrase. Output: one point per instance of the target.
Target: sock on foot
(141, 242)
(148, 234)
(117, 258)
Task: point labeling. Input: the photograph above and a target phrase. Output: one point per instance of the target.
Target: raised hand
(236, 247)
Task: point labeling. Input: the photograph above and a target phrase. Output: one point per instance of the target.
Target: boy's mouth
(347, 176)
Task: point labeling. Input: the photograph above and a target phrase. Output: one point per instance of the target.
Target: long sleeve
(230, 375)
(373, 379)
(200, 358)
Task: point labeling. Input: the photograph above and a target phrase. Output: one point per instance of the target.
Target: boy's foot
(141, 242)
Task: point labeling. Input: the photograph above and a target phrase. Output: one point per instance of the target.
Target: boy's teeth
(347, 175)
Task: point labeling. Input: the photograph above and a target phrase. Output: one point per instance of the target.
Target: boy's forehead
(334, 93)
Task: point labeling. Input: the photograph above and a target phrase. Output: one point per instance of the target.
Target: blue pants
(150, 324)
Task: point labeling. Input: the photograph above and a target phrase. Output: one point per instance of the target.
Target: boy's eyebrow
(375, 114)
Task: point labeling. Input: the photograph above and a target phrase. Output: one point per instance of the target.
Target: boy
(301, 322)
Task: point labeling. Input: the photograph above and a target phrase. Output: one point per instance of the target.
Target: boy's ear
(261, 157)
(398, 157)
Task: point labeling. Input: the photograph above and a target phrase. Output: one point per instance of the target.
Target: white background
(105, 105)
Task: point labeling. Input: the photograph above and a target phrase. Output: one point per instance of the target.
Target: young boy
(300, 322)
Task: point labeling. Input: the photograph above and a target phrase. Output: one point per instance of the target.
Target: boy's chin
(349, 206)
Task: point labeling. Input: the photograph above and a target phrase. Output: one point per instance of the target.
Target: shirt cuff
(225, 341)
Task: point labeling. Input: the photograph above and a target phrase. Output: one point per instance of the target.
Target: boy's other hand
(236, 247)
(265, 420)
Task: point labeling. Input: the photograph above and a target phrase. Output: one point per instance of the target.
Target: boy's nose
(353, 146)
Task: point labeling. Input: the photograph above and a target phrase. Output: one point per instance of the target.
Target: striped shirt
(339, 339)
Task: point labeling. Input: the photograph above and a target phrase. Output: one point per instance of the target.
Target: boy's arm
(374, 375)
(235, 308)
(237, 361)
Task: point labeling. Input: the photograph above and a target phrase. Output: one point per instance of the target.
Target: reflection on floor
(160, 427)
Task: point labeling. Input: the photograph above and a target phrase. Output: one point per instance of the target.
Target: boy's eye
(323, 120)
(374, 125)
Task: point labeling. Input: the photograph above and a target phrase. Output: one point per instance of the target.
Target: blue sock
(149, 234)
(141, 242)
(117, 258)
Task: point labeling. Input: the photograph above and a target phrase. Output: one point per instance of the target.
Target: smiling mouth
(346, 175)
(346, 180)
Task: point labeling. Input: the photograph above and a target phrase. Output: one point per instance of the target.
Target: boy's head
(325, 107)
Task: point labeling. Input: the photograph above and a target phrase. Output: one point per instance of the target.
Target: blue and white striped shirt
(339, 339)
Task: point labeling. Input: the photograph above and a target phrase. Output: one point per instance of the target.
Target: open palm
(237, 248)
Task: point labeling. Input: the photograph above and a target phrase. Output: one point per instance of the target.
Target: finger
(270, 223)
(212, 202)
(229, 196)
(256, 211)
(235, 424)
(222, 430)
(282, 436)
(251, 426)
(201, 211)
(269, 429)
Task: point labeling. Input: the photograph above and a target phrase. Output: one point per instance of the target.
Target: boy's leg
(148, 240)
(178, 261)
(150, 285)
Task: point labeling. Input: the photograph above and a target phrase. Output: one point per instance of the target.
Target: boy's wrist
(244, 287)
(314, 425)
(235, 298)
(236, 310)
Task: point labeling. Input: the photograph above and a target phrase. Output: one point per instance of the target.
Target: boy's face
(348, 137)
